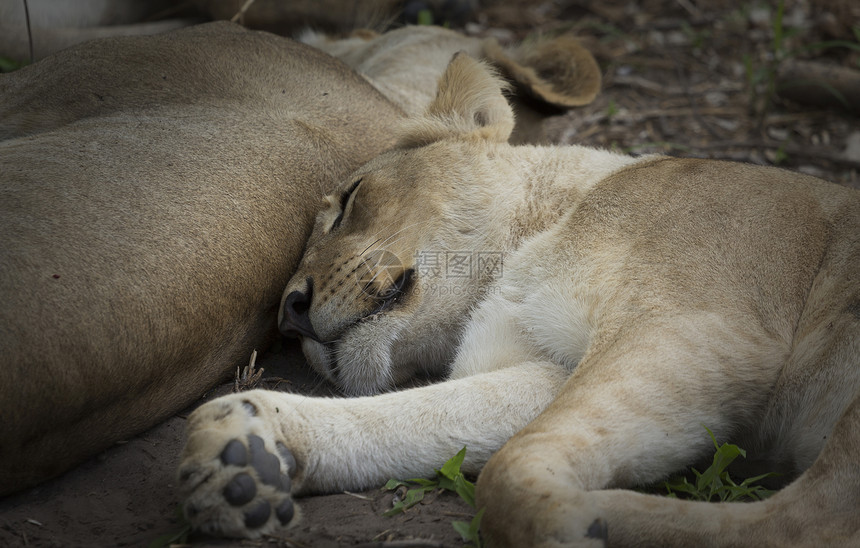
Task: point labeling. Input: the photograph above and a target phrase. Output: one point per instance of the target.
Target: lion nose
(296, 320)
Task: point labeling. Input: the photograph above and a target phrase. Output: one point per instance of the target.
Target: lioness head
(405, 248)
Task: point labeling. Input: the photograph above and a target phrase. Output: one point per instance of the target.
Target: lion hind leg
(615, 423)
(536, 495)
(820, 508)
(537, 490)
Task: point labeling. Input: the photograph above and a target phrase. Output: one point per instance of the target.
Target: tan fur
(156, 195)
(639, 299)
(557, 72)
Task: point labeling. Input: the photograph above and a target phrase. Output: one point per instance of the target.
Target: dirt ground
(682, 77)
(126, 496)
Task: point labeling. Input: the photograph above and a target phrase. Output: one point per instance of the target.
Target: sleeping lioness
(591, 312)
(156, 194)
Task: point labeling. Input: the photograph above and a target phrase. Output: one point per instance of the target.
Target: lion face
(385, 257)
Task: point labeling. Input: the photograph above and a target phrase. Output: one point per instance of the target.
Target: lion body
(638, 299)
(149, 213)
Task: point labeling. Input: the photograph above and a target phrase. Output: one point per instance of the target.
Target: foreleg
(247, 454)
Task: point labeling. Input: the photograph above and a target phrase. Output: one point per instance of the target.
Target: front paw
(236, 475)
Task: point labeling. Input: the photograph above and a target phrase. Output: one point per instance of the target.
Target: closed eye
(344, 201)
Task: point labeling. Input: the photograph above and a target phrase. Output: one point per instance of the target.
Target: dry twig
(240, 15)
(250, 376)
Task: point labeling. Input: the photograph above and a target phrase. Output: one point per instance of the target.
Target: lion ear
(469, 103)
(557, 71)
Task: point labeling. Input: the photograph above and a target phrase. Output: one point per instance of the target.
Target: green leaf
(393, 484)
(461, 527)
(448, 478)
(723, 457)
(176, 537)
(451, 469)
(425, 17)
(446, 484)
(681, 485)
(424, 482)
(8, 65)
(715, 483)
(470, 532)
(466, 490)
(758, 492)
(395, 509)
(413, 497)
(778, 29)
(754, 479)
(713, 437)
(475, 526)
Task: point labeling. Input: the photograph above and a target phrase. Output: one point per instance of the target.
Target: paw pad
(258, 515)
(598, 530)
(285, 511)
(242, 488)
(267, 465)
(235, 453)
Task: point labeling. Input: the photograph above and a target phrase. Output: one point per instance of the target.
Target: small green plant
(697, 38)
(715, 484)
(8, 65)
(780, 156)
(448, 478)
(180, 536)
(425, 17)
(765, 75)
(611, 109)
(470, 532)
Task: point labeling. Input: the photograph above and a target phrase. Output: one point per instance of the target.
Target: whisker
(406, 228)
(368, 247)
